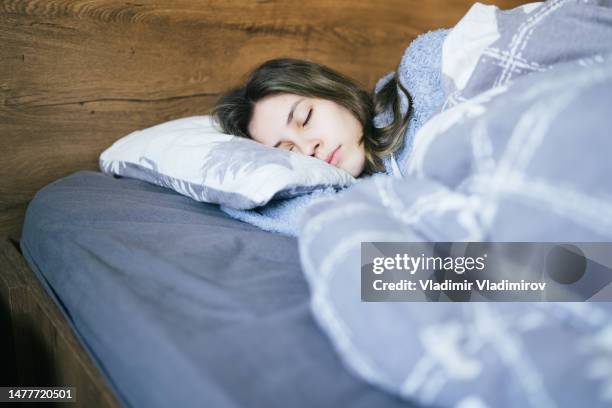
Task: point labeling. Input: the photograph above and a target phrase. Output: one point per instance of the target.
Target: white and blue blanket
(520, 152)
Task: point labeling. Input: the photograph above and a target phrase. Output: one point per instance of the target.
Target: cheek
(354, 129)
(361, 156)
(334, 124)
(355, 160)
(344, 132)
(330, 126)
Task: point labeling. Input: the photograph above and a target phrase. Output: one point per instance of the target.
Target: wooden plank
(9, 284)
(46, 349)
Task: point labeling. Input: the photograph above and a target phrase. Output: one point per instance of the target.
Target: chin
(355, 172)
(353, 166)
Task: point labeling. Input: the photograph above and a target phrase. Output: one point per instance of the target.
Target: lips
(331, 155)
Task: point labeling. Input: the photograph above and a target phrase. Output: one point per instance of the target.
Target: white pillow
(192, 157)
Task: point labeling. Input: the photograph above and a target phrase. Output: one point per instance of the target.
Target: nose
(309, 146)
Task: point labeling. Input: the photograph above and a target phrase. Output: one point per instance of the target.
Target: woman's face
(311, 126)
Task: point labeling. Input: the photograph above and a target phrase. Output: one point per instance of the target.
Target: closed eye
(307, 117)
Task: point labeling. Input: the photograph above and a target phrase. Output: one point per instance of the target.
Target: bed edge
(46, 350)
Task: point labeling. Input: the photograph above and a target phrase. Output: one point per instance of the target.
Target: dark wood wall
(75, 75)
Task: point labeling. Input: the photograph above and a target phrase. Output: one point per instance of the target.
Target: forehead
(270, 117)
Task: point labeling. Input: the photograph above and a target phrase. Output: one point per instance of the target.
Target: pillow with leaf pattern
(190, 156)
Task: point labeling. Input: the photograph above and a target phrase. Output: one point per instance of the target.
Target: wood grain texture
(46, 349)
(77, 75)
(10, 285)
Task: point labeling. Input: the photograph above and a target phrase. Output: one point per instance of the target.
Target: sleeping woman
(311, 109)
(308, 108)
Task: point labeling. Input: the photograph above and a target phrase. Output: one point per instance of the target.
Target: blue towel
(420, 73)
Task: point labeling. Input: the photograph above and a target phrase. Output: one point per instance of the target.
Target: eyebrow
(290, 116)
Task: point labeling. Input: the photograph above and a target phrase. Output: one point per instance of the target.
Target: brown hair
(234, 109)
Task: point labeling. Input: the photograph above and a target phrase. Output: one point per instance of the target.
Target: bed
(78, 75)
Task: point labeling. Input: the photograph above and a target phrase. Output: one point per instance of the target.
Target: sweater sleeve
(419, 72)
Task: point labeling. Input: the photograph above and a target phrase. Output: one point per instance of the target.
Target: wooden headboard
(78, 74)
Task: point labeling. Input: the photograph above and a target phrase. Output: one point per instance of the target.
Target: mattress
(180, 305)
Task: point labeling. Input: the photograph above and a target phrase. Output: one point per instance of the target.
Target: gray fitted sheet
(180, 305)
